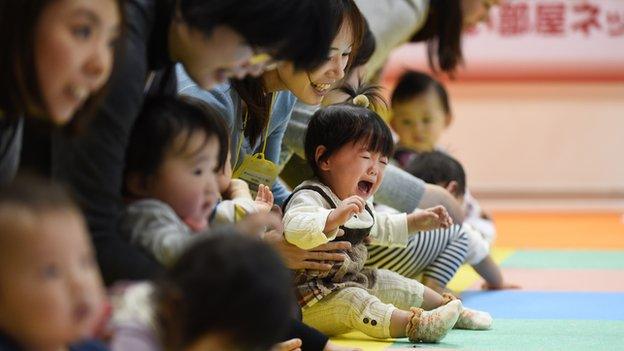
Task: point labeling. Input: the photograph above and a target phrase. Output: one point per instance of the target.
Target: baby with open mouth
(348, 145)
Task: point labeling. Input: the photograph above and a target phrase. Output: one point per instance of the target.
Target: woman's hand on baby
(315, 259)
(289, 345)
(429, 219)
(264, 199)
(341, 214)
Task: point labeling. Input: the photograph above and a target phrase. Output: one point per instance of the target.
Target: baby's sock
(432, 326)
(469, 318)
(473, 319)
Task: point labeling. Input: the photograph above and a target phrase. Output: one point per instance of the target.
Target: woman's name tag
(256, 170)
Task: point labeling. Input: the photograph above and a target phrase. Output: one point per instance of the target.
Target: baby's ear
(392, 121)
(448, 119)
(322, 163)
(452, 187)
(136, 184)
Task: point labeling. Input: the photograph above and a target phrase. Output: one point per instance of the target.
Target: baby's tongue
(197, 222)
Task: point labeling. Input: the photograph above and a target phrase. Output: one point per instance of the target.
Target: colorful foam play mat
(571, 270)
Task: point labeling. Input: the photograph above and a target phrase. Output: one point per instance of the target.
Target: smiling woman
(258, 109)
(310, 87)
(57, 56)
(74, 42)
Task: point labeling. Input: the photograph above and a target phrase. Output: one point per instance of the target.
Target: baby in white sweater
(348, 146)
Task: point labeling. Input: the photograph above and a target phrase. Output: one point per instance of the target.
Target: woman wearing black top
(56, 57)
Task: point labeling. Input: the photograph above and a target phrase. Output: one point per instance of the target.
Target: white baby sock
(432, 326)
(473, 319)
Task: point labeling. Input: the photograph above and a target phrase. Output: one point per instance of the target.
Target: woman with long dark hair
(56, 58)
(439, 23)
(257, 110)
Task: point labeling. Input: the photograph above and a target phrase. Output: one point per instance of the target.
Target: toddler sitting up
(347, 146)
(439, 168)
(176, 148)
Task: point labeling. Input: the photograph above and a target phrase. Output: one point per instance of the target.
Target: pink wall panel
(538, 40)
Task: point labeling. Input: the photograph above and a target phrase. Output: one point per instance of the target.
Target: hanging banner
(537, 40)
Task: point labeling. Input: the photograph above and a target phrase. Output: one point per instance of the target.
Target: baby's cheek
(189, 204)
(380, 177)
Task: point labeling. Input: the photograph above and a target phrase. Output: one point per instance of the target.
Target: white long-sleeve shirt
(240, 204)
(307, 211)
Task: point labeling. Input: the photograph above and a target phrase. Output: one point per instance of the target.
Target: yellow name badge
(256, 170)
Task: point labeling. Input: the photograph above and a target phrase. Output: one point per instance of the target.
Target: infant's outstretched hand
(429, 219)
(339, 216)
(264, 199)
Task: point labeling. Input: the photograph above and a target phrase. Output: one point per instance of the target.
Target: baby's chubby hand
(347, 209)
(264, 199)
(429, 219)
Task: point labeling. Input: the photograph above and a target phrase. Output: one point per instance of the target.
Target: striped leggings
(436, 254)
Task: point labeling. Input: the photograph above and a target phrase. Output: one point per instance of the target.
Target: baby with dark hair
(226, 292)
(170, 180)
(436, 167)
(176, 167)
(421, 112)
(348, 146)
